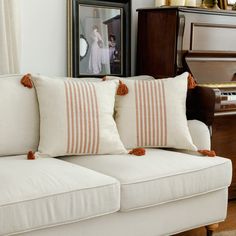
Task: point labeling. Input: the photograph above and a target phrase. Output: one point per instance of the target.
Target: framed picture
(98, 38)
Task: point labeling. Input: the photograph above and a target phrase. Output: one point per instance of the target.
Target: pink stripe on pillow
(68, 117)
(137, 113)
(76, 117)
(150, 113)
(82, 118)
(164, 113)
(160, 114)
(71, 118)
(148, 90)
(153, 115)
(93, 129)
(80, 124)
(89, 120)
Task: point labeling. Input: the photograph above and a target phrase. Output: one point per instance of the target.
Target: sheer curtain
(9, 36)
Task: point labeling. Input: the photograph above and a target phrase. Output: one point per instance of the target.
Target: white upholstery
(161, 220)
(200, 134)
(19, 117)
(46, 192)
(160, 176)
(162, 193)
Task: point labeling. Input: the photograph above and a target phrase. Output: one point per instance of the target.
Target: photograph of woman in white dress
(95, 58)
(101, 29)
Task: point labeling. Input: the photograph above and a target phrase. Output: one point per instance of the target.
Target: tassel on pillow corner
(26, 81)
(122, 89)
(138, 152)
(209, 153)
(191, 82)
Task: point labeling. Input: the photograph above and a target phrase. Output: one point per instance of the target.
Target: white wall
(44, 35)
(135, 5)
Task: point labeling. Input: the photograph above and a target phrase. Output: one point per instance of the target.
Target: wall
(44, 35)
(135, 5)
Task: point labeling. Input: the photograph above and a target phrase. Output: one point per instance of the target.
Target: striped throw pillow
(153, 114)
(76, 117)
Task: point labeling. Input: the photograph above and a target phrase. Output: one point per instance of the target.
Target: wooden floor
(227, 225)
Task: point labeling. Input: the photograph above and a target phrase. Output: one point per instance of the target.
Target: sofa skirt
(164, 219)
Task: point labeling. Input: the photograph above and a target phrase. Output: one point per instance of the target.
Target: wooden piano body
(172, 40)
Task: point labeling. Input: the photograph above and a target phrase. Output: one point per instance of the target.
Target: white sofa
(162, 193)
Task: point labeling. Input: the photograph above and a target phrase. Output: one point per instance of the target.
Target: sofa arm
(200, 134)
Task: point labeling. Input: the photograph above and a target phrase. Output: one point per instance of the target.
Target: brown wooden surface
(201, 104)
(224, 143)
(157, 32)
(228, 225)
(212, 227)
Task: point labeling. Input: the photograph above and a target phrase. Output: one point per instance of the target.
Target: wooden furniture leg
(211, 228)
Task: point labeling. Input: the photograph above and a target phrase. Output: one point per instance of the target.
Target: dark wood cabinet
(224, 143)
(172, 40)
(157, 33)
(166, 34)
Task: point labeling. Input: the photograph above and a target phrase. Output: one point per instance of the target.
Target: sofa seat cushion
(160, 176)
(46, 191)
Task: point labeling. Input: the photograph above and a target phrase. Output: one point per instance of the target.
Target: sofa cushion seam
(57, 194)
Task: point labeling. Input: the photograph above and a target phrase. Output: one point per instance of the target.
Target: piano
(172, 40)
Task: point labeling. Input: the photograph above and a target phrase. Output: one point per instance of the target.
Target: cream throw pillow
(153, 114)
(76, 117)
(19, 118)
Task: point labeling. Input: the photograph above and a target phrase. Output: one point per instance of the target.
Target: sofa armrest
(200, 134)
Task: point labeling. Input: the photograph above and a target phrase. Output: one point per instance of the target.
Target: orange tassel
(191, 82)
(122, 89)
(27, 81)
(138, 152)
(209, 153)
(104, 78)
(31, 156)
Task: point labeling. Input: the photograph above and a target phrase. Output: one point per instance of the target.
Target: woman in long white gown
(95, 58)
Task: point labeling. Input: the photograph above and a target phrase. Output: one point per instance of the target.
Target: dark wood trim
(211, 54)
(191, 10)
(214, 25)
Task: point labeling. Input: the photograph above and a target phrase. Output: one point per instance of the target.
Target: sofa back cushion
(76, 117)
(19, 119)
(153, 114)
(138, 77)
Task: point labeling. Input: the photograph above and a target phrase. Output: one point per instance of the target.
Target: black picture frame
(99, 35)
